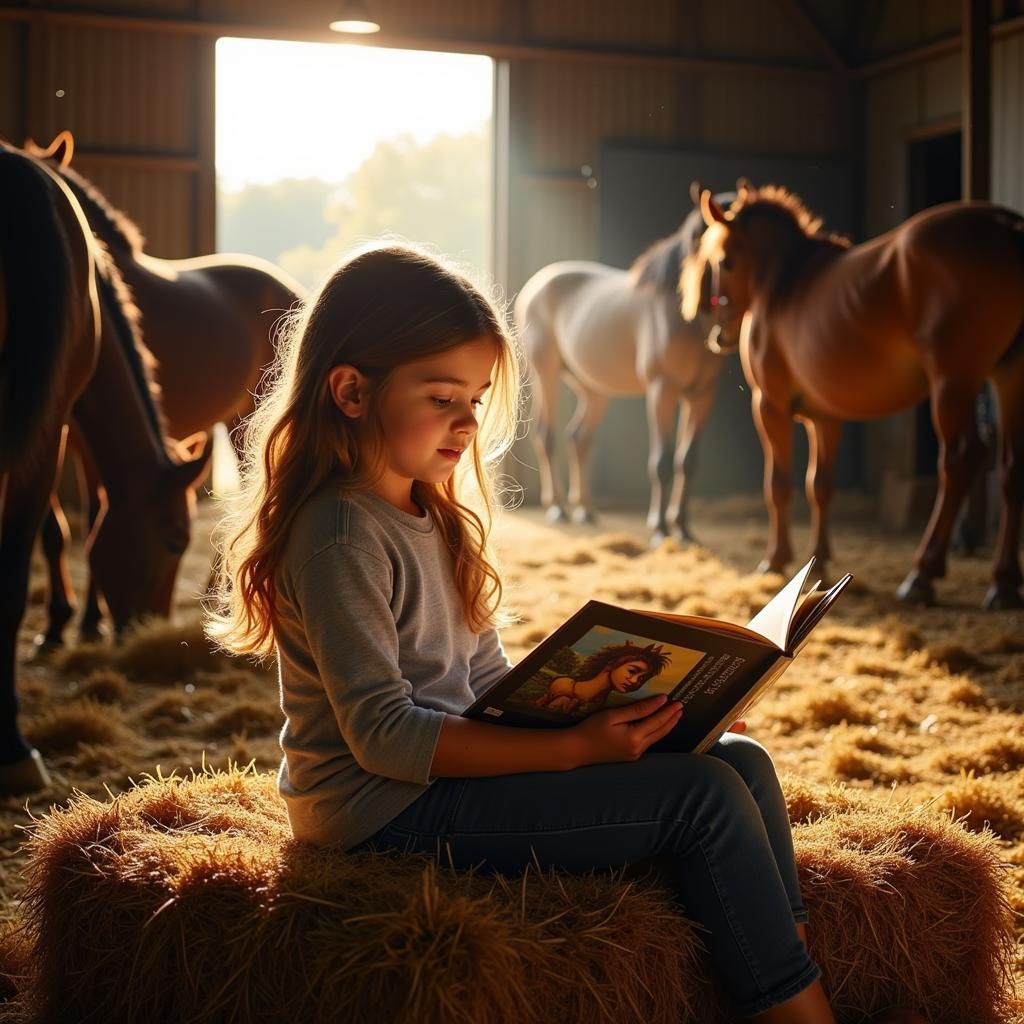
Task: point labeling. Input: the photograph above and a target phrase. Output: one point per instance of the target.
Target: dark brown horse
(49, 339)
(208, 323)
(608, 332)
(61, 295)
(829, 331)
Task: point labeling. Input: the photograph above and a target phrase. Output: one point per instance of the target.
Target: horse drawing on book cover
(607, 333)
(829, 331)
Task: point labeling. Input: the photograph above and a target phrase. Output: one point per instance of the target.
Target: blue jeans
(716, 824)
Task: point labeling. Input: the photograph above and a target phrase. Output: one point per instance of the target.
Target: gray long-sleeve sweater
(373, 650)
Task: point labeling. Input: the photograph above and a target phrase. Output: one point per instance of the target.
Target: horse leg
(55, 536)
(546, 366)
(960, 452)
(693, 413)
(775, 428)
(661, 414)
(822, 445)
(590, 407)
(1006, 572)
(21, 767)
(90, 627)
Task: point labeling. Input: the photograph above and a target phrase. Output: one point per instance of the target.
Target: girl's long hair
(380, 309)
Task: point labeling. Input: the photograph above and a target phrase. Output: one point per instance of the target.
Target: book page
(712, 625)
(774, 620)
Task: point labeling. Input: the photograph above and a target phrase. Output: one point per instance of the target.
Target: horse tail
(35, 261)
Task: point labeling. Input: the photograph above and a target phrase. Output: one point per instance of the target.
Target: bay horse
(829, 331)
(610, 332)
(63, 301)
(208, 323)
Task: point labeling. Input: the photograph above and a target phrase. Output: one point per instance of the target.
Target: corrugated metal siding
(892, 108)
(611, 22)
(941, 89)
(429, 18)
(559, 223)
(760, 31)
(122, 90)
(162, 204)
(572, 109)
(1008, 121)
(12, 77)
(742, 112)
(140, 8)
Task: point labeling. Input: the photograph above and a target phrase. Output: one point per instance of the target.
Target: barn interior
(598, 117)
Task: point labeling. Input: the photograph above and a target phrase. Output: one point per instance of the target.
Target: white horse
(607, 333)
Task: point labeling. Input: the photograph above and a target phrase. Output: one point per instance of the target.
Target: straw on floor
(186, 899)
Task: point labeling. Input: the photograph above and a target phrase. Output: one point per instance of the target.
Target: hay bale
(188, 900)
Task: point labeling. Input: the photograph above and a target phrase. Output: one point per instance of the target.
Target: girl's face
(628, 676)
(429, 416)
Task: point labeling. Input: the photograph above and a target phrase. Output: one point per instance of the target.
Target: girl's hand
(623, 734)
(739, 726)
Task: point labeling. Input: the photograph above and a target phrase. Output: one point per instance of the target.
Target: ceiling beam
(498, 49)
(940, 48)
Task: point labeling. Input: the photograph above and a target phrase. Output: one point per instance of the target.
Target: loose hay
(188, 900)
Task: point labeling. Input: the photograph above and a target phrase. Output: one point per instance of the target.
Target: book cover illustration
(605, 657)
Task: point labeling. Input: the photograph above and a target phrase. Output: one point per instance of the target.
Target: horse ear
(62, 149)
(59, 151)
(193, 467)
(710, 210)
(695, 192)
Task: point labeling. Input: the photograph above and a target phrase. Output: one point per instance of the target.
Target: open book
(605, 656)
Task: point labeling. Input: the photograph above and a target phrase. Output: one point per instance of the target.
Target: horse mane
(782, 206)
(658, 265)
(126, 317)
(109, 222)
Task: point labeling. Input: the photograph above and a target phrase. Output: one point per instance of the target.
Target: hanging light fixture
(354, 16)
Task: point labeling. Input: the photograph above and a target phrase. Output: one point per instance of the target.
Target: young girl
(354, 554)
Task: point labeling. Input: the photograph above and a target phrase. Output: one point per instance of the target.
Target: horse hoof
(92, 634)
(556, 514)
(24, 776)
(656, 538)
(1002, 597)
(582, 516)
(916, 590)
(683, 536)
(766, 565)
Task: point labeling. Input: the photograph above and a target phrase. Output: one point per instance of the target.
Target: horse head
(138, 545)
(705, 292)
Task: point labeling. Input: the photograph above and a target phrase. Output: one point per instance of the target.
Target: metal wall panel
(560, 224)
(13, 42)
(743, 112)
(761, 31)
(1008, 121)
(892, 109)
(139, 8)
(162, 204)
(429, 18)
(941, 88)
(571, 109)
(121, 90)
(654, 24)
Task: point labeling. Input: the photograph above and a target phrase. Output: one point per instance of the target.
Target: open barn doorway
(322, 146)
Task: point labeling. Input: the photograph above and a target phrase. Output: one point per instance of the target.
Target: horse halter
(717, 301)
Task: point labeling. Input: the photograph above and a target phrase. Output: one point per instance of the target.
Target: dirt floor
(922, 705)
